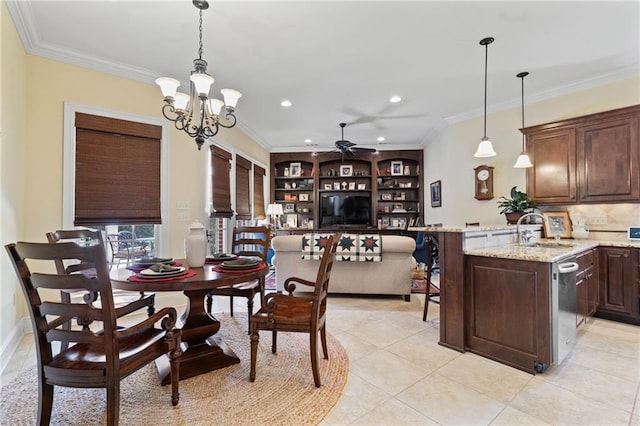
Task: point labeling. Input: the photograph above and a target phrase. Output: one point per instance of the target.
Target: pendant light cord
(522, 78)
(486, 59)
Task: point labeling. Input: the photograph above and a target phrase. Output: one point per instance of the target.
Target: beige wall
(13, 69)
(449, 157)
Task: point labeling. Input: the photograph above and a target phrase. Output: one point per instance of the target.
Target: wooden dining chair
(251, 241)
(297, 313)
(99, 358)
(125, 302)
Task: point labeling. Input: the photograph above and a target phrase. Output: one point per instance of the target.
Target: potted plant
(516, 206)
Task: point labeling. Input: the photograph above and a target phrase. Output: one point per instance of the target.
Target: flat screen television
(344, 209)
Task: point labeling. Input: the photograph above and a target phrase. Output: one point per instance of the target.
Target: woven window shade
(220, 182)
(258, 192)
(243, 199)
(117, 172)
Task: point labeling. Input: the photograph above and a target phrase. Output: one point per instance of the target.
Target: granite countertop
(549, 251)
(464, 229)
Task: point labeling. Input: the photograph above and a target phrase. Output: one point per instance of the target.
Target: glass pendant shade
(181, 101)
(523, 161)
(231, 97)
(215, 105)
(485, 149)
(202, 83)
(168, 86)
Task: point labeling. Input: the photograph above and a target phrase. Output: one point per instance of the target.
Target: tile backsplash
(605, 221)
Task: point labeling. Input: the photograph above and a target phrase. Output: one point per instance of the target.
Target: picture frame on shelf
(557, 223)
(352, 185)
(289, 208)
(396, 168)
(362, 186)
(336, 186)
(327, 187)
(385, 221)
(386, 196)
(398, 206)
(295, 169)
(436, 193)
(346, 170)
(386, 209)
(303, 197)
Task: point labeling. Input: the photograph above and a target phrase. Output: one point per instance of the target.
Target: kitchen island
(496, 296)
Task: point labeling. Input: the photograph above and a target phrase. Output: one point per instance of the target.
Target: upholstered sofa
(391, 275)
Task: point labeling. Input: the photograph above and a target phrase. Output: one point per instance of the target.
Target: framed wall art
(295, 169)
(557, 223)
(346, 170)
(396, 168)
(436, 194)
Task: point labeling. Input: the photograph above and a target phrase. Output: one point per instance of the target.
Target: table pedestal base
(198, 359)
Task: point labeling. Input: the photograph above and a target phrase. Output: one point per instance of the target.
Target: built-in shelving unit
(388, 183)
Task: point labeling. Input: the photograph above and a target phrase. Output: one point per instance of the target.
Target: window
(123, 127)
(117, 172)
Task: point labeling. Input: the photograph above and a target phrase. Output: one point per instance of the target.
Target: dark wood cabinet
(390, 182)
(608, 161)
(508, 311)
(552, 179)
(588, 159)
(618, 284)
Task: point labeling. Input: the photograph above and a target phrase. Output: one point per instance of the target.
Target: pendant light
(523, 161)
(485, 149)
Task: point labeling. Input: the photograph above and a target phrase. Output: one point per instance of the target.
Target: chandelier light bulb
(202, 83)
(168, 86)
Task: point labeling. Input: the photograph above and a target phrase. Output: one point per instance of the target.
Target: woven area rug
(283, 393)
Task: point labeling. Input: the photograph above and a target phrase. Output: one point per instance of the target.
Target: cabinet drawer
(584, 260)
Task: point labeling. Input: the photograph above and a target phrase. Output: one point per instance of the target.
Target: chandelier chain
(200, 32)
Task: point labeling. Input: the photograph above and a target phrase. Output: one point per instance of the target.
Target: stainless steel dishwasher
(563, 307)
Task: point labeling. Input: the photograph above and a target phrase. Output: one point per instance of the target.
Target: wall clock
(483, 178)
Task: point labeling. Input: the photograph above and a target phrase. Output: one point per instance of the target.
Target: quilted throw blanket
(351, 248)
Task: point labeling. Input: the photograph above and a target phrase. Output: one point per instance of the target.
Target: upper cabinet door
(552, 180)
(608, 161)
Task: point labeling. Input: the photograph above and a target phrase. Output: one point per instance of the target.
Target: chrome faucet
(520, 221)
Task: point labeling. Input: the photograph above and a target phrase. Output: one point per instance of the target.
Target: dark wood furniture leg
(202, 350)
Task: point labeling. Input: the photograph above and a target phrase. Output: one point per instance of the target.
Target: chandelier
(197, 114)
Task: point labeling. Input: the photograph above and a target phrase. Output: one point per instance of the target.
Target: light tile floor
(400, 375)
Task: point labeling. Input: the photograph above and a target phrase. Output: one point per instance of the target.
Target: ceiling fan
(344, 146)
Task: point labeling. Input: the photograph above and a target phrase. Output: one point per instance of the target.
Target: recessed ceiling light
(381, 139)
(395, 99)
(285, 103)
(307, 141)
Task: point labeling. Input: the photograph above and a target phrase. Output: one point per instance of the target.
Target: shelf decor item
(396, 168)
(346, 170)
(295, 169)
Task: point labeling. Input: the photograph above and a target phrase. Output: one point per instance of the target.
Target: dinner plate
(242, 263)
(149, 273)
(222, 257)
(148, 261)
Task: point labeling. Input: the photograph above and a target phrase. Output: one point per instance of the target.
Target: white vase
(195, 245)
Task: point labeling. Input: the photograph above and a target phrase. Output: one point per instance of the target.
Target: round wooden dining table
(202, 350)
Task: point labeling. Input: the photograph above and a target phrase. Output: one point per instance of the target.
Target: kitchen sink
(547, 244)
